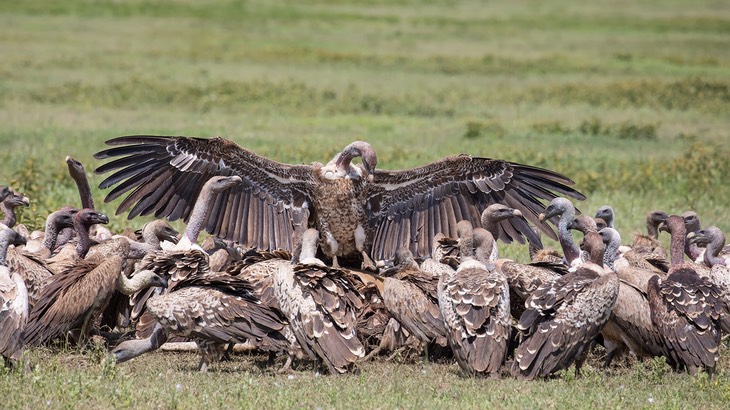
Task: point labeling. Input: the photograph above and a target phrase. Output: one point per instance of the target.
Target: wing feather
(163, 176)
(476, 183)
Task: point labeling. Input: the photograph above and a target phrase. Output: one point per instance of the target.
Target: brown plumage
(411, 297)
(217, 309)
(562, 319)
(174, 267)
(688, 310)
(13, 302)
(321, 304)
(75, 296)
(630, 326)
(475, 304)
(358, 209)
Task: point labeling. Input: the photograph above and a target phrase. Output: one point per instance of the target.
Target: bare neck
(9, 218)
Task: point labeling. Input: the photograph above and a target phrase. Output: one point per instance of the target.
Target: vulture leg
(373, 353)
(397, 352)
(360, 237)
(287, 364)
(367, 263)
(133, 348)
(335, 264)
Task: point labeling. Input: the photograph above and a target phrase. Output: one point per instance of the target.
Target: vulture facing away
(361, 212)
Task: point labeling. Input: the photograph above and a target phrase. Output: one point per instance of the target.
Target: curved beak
(516, 212)
(103, 218)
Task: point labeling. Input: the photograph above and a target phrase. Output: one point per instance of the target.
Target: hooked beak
(516, 212)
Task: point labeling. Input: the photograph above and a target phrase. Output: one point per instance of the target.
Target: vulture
(13, 302)
(606, 213)
(716, 256)
(562, 317)
(362, 213)
(216, 309)
(411, 297)
(475, 306)
(321, 304)
(563, 208)
(76, 295)
(692, 224)
(687, 309)
(178, 261)
(8, 205)
(630, 325)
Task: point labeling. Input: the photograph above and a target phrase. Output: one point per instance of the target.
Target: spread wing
(164, 176)
(409, 207)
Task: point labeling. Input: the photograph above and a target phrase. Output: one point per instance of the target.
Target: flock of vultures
(343, 262)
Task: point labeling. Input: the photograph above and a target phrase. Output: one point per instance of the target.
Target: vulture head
(584, 223)
(498, 212)
(656, 217)
(159, 230)
(673, 224)
(691, 221)
(341, 165)
(11, 237)
(88, 217)
(15, 199)
(606, 213)
(558, 206)
(706, 236)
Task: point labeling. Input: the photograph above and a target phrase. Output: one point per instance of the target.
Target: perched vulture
(13, 302)
(361, 212)
(475, 306)
(687, 309)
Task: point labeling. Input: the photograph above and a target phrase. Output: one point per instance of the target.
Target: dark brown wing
(480, 324)
(561, 320)
(331, 329)
(69, 297)
(687, 309)
(164, 176)
(421, 202)
(416, 310)
(220, 308)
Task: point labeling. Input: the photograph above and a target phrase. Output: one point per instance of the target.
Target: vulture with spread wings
(360, 211)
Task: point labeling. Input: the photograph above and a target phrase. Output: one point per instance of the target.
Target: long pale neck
(84, 242)
(199, 215)
(130, 286)
(611, 252)
(9, 217)
(570, 248)
(82, 183)
(51, 235)
(3, 252)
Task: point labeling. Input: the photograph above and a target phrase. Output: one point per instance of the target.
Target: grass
(631, 100)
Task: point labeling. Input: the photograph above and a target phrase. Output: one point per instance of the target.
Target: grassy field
(630, 99)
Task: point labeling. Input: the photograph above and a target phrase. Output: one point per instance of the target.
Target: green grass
(170, 380)
(630, 99)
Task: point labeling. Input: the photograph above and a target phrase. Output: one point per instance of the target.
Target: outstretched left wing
(408, 207)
